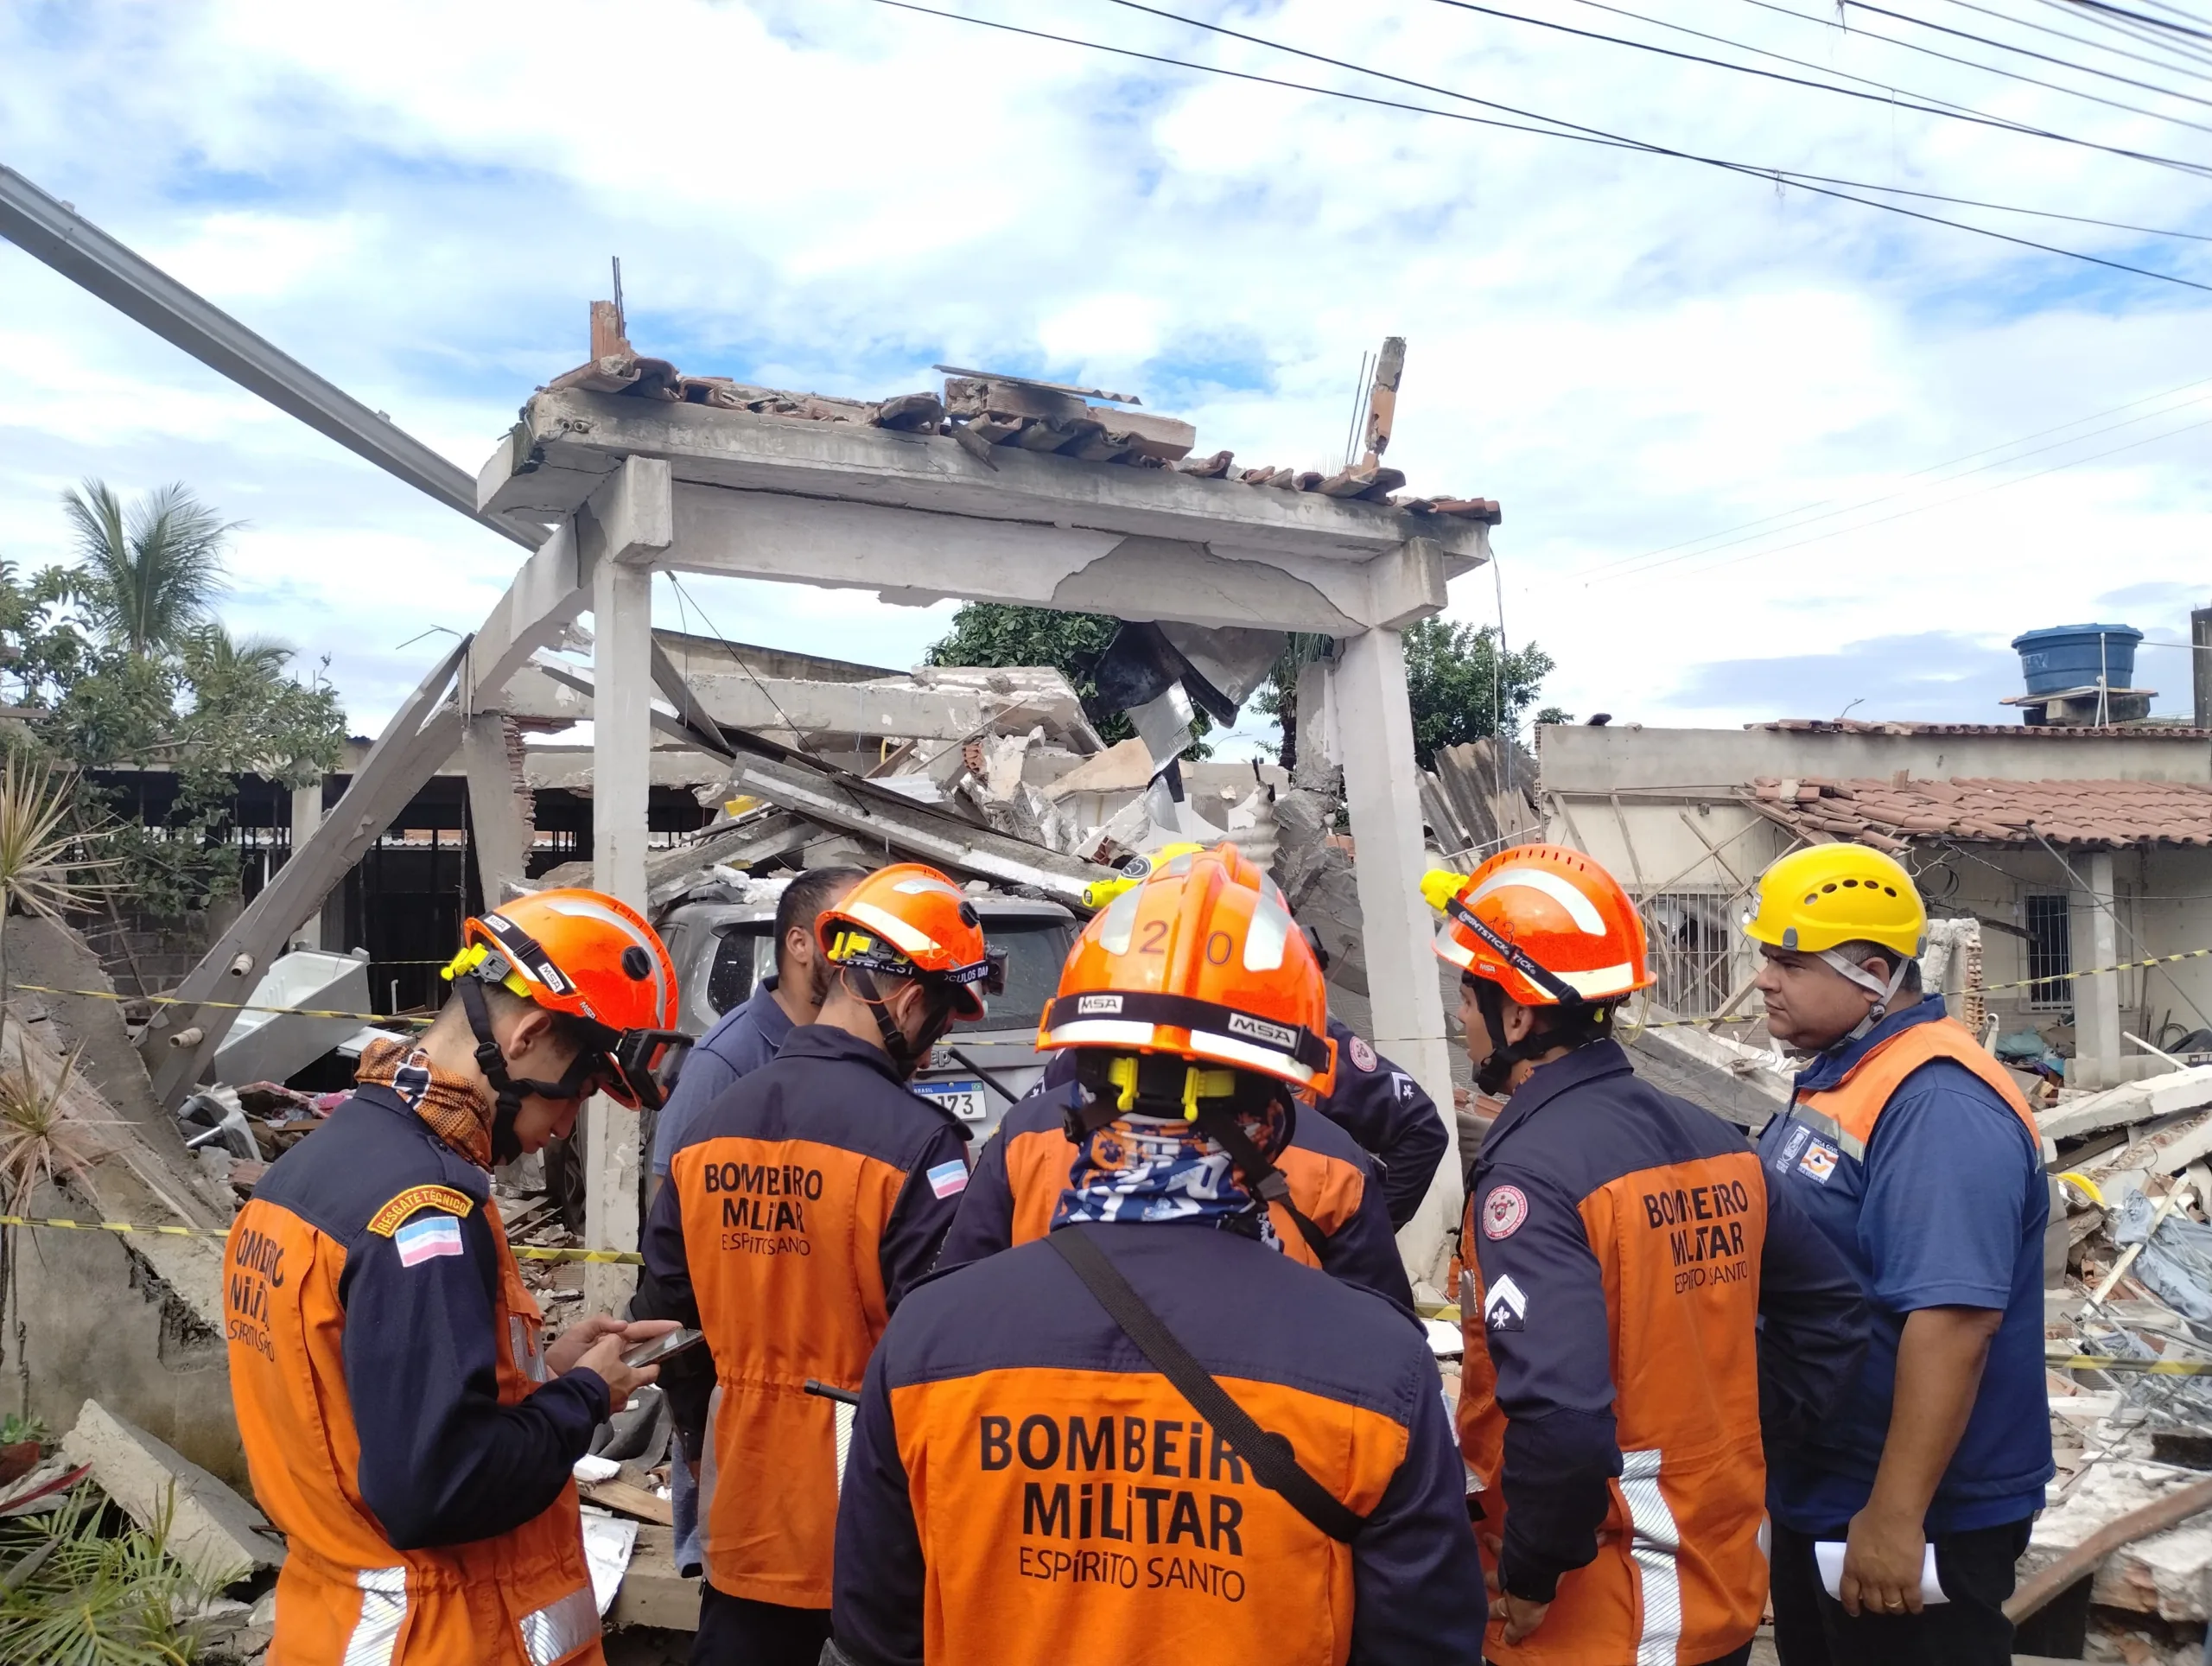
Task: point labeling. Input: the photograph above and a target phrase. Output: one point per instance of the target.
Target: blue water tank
(2075, 656)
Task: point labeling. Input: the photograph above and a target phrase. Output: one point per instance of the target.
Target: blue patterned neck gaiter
(1148, 1168)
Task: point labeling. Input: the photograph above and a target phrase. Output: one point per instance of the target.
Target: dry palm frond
(41, 870)
(39, 1140)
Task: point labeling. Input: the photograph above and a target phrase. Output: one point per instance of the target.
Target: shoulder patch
(1362, 1053)
(949, 1179)
(387, 1219)
(1504, 1210)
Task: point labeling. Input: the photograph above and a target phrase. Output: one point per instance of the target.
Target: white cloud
(1631, 353)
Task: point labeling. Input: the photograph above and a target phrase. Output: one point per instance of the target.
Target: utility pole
(2200, 663)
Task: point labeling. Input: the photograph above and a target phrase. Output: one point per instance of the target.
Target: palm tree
(146, 575)
(210, 653)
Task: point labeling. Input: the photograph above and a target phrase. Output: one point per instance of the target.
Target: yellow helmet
(1828, 894)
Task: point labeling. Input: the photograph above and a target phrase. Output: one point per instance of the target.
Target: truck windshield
(1035, 947)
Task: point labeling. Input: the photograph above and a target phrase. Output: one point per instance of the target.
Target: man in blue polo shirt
(1910, 1147)
(743, 1039)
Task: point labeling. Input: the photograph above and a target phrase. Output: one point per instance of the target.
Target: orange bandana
(458, 1111)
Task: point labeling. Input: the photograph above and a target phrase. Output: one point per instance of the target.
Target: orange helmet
(1200, 961)
(586, 955)
(908, 920)
(1546, 925)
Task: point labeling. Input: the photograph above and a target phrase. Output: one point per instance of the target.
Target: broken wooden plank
(1382, 399)
(627, 1500)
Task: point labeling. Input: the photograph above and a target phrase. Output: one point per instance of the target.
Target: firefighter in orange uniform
(1620, 1250)
(806, 1201)
(401, 1424)
(1058, 1452)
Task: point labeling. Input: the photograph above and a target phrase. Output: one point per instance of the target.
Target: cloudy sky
(1760, 453)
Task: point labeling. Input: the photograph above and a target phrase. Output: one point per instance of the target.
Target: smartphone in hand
(652, 1352)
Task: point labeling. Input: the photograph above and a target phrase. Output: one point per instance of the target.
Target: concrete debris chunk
(2131, 1104)
(212, 1531)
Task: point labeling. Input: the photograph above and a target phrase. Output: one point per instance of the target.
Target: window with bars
(2051, 951)
(1694, 948)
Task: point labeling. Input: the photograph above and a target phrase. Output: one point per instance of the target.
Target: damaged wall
(99, 1321)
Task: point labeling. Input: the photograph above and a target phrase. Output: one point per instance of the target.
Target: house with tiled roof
(2077, 861)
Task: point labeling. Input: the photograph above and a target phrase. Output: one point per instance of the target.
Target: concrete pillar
(1374, 728)
(622, 685)
(499, 813)
(307, 816)
(2098, 1049)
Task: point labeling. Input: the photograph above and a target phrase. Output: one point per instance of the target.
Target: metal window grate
(2051, 951)
(1694, 948)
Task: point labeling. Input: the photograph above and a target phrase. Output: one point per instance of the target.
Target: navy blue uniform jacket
(1397, 1125)
(442, 1461)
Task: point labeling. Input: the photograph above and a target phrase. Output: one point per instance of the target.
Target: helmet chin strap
(509, 1091)
(1883, 992)
(908, 1056)
(1493, 1073)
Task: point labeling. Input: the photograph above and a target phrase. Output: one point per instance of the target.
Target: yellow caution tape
(227, 1005)
(2145, 1367)
(1987, 989)
(525, 1252)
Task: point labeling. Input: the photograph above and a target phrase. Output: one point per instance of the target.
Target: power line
(1635, 563)
(2079, 40)
(1932, 468)
(2147, 21)
(1997, 486)
(2041, 57)
(1952, 112)
(1579, 129)
(1826, 69)
(1825, 24)
(1594, 136)
(2175, 49)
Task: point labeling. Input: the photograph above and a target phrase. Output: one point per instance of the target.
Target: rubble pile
(2128, 1335)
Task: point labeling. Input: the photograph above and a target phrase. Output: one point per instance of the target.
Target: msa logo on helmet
(1279, 1036)
(1093, 1006)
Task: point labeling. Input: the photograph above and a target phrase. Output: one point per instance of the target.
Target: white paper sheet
(1828, 1555)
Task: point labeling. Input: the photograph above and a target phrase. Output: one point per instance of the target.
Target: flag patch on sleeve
(948, 1179)
(427, 1239)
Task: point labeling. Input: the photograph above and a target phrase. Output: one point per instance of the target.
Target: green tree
(1456, 680)
(121, 665)
(146, 576)
(999, 633)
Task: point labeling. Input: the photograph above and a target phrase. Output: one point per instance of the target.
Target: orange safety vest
(1327, 1191)
(1846, 1113)
(782, 1238)
(345, 1597)
(1673, 1205)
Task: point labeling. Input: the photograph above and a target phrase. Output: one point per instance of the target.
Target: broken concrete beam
(1006, 404)
(2163, 1574)
(2132, 1103)
(2166, 1146)
(212, 1531)
(653, 1593)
